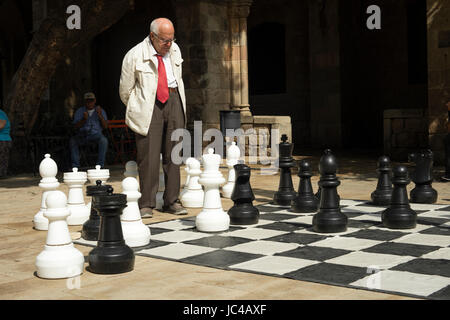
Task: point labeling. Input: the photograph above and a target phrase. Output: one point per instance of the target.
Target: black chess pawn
(329, 219)
(383, 193)
(399, 215)
(422, 177)
(319, 189)
(92, 226)
(305, 201)
(111, 255)
(243, 212)
(286, 192)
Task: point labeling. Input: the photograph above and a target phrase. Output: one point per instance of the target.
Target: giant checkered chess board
(414, 262)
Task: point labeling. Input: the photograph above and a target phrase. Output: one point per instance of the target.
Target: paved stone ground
(160, 279)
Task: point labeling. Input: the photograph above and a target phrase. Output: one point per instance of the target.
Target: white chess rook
(79, 212)
(233, 155)
(194, 195)
(97, 174)
(135, 232)
(59, 259)
(212, 218)
(48, 170)
(161, 187)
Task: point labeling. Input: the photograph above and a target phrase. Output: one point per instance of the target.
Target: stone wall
(438, 24)
(405, 131)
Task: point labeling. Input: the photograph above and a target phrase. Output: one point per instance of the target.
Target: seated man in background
(89, 122)
(5, 143)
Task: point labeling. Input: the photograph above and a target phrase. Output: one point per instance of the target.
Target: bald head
(162, 35)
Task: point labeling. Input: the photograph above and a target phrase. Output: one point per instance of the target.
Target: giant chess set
(394, 243)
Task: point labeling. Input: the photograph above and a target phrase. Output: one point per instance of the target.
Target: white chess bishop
(194, 195)
(135, 232)
(97, 174)
(161, 187)
(59, 259)
(212, 218)
(48, 170)
(233, 155)
(79, 212)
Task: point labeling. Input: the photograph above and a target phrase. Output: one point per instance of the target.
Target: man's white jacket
(138, 83)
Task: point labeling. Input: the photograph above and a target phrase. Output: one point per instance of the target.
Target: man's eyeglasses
(164, 41)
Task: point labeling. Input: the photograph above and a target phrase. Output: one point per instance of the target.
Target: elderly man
(89, 122)
(152, 89)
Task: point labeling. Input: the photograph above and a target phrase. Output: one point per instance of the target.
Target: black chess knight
(305, 200)
(383, 193)
(329, 219)
(286, 192)
(399, 215)
(111, 255)
(243, 212)
(422, 177)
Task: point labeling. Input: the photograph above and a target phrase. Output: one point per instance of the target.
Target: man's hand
(85, 115)
(98, 109)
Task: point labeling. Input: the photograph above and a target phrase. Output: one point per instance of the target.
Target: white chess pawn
(212, 218)
(79, 212)
(233, 155)
(97, 174)
(131, 169)
(59, 259)
(162, 186)
(186, 168)
(135, 232)
(48, 170)
(194, 195)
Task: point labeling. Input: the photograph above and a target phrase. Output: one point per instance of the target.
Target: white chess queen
(212, 218)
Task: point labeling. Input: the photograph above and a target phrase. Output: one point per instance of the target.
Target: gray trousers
(166, 118)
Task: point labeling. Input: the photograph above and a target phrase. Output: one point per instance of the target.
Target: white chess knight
(162, 186)
(135, 232)
(233, 155)
(48, 170)
(59, 259)
(97, 174)
(194, 195)
(79, 212)
(212, 218)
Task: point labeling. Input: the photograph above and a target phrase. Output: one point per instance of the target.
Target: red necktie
(162, 92)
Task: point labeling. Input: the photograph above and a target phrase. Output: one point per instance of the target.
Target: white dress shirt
(171, 81)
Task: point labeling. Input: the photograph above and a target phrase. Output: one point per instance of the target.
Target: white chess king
(212, 218)
(48, 170)
(59, 259)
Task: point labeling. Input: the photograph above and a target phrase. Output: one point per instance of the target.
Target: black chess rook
(422, 176)
(286, 193)
(305, 200)
(243, 212)
(91, 227)
(383, 192)
(329, 219)
(111, 255)
(399, 215)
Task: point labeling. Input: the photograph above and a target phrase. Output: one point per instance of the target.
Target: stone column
(238, 12)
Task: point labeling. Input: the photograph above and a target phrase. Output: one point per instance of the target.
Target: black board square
(218, 241)
(375, 234)
(294, 237)
(221, 258)
(444, 209)
(440, 267)
(313, 253)
(264, 209)
(329, 273)
(443, 294)
(401, 249)
(431, 220)
(152, 244)
(276, 216)
(437, 230)
(155, 231)
(362, 224)
(282, 226)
